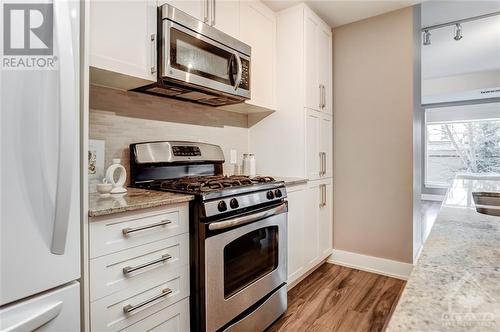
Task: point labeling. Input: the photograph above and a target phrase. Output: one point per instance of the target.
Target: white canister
(117, 171)
(249, 164)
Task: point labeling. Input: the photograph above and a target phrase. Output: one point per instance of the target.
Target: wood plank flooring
(336, 298)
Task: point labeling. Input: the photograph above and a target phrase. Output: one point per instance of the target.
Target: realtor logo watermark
(469, 306)
(28, 36)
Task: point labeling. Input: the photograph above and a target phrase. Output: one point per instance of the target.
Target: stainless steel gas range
(238, 233)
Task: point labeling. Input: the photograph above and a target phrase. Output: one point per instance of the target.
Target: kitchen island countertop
(455, 285)
(134, 199)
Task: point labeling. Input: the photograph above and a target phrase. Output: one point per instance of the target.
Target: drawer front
(127, 230)
(174, 318)
(108, 314)
(143, 265)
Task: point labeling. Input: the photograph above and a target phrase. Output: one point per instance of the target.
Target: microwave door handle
(239, 71)
(67, 126)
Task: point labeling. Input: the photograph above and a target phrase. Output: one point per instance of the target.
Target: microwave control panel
(245, 75)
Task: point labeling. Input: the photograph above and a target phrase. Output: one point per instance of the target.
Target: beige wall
(373, 132)
(121, 118)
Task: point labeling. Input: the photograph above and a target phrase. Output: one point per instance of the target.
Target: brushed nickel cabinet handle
(130, 269)
(205, 12)
(320, 96)
(321, 164)
(324, 163)
(213, 12)
(324, 196)
(129, 230)
(153, 53)
(129, 308)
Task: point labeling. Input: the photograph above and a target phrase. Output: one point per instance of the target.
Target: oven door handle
(247, 219)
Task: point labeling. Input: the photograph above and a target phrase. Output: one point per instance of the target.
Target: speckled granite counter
(455, 285)
(291, 181)
(135, 199)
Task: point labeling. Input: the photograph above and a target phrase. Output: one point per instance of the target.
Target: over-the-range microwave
(199, 63)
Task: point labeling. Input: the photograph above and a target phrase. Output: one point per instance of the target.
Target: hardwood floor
(336, 298)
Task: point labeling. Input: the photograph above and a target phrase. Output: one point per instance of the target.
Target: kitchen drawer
(174, 318)
(150, 263)
(107, 314)
(108, 234)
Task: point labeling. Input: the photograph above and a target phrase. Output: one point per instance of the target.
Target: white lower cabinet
(143, 283)
(310, 222)
(295, 229)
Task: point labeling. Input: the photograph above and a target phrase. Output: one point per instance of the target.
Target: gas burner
(211, 183)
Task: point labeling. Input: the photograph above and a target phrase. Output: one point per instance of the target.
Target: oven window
(193, 55)
(250, 257)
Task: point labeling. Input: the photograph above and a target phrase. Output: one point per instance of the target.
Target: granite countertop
(455, 285)
(291, 181)
(135, 199)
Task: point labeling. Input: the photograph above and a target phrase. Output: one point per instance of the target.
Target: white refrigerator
(40, 174)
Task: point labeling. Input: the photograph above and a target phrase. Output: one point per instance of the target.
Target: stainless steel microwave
(198, 62)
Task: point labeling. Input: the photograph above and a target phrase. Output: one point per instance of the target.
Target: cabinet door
(312, 87)
(325, 143)
(313, 158)
(225, 16)
(258, 29)
(199, 9)
(325, 219)
(123, 42)
(325, 66)
(295, 228)
(311, 225)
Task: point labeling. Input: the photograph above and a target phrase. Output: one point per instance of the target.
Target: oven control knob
(278, 193)
(222, 206)
(233, 203)
(270, 194)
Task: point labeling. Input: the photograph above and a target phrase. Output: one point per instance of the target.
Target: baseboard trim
(366, 263)
(430, 197)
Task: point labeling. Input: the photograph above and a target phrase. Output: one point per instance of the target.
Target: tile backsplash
(121, 118)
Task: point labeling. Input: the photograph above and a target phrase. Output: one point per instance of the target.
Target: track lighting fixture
(458, 32)
(427, 37)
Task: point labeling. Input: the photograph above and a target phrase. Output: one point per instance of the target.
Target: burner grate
(212, 183)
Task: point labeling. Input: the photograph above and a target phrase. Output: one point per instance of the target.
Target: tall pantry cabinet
(297, 140)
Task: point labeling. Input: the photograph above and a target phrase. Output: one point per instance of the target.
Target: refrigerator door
(39, 168)
(58, 310)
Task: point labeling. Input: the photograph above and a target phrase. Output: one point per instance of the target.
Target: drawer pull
(128, 230)
(129, 269)
(129, 308)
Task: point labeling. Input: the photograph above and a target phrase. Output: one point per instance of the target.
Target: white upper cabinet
(318, 63)
(222, 14)
(124, 42)
(326, 145)
(199, 9)
(312, 86)
(319, 130)
(225, 16)
(313, 157)
(258, 29)
(325, 67)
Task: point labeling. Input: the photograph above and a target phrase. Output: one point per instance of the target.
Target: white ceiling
(340, 12)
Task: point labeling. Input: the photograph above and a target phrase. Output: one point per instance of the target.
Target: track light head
(427, 37)
(458, 32)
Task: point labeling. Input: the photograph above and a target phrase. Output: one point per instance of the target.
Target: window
(461, 139)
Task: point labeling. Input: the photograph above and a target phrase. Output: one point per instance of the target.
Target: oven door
(243, 265)
(193, 58)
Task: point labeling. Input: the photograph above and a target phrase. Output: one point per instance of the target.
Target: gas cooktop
(204, 184)
(215, 186)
